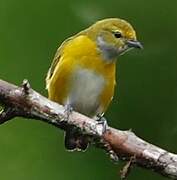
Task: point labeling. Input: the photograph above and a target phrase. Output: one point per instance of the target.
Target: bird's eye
(117, 34)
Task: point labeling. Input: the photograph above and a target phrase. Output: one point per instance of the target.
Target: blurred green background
(146, 95)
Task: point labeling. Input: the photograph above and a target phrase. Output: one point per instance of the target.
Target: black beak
(134, 44)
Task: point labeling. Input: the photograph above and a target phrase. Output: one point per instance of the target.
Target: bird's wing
(56, 60)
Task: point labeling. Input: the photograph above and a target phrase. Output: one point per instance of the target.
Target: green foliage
(146, 92)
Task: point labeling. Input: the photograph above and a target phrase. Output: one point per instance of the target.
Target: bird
(82, 75)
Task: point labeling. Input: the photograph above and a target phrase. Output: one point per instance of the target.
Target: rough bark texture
(25, 102)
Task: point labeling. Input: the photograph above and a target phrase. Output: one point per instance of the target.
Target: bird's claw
(68, 110)
(101, 125)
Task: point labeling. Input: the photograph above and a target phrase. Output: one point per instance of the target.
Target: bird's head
(113, 37)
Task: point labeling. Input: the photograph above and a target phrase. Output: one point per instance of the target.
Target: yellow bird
(82, 74)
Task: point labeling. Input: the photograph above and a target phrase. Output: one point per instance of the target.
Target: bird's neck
(108, 52)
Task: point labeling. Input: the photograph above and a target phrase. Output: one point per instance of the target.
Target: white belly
(85, 91)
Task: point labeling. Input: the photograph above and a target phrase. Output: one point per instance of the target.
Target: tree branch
(25, 102)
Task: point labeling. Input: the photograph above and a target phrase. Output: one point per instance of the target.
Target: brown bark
(25, 102)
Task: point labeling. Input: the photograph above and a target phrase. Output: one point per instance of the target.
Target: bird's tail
(75, 140)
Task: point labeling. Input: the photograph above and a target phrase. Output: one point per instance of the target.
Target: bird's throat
(108, 52)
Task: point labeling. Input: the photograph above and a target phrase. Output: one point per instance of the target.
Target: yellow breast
(81, 53)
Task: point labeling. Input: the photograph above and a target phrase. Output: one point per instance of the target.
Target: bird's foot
(68, 110)
(101, 124)
(102, 120)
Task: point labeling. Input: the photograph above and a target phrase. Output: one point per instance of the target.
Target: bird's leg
(102, 121)
(68, 110)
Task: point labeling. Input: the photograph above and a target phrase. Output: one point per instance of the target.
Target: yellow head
(113, 37)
